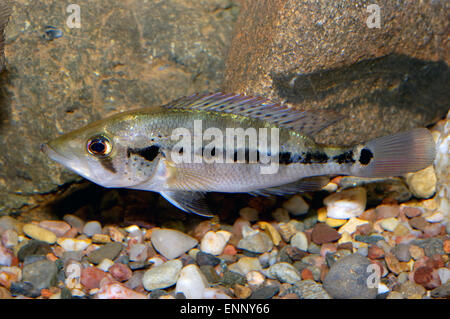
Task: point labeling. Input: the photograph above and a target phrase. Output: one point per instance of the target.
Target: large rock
(125, 55)
(323, 54)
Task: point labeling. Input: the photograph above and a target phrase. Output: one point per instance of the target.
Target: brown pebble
(346, 246)
(91, 277)
(411, 212)
(322, 233)
(369, 215)
(364, 229)
(201, 229)
(290, 296)
(57, 227)
(5, 294)
(447, 245)
(416, 252)
(294, 253)
(418, 223)
(327, 248)
(433, 230)
(387, 211)
(375, 252)
(241, 291)
(120, 272)
(307, 274)
(394, 264)
(423, 275)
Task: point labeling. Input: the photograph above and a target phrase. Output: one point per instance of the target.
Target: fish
(191, 146)
(5, 12)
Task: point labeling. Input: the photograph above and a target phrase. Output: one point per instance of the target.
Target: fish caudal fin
(395, 155)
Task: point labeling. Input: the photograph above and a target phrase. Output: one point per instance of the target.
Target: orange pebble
(51, 257)
(46, 293)
(307, 274)
(229, 250)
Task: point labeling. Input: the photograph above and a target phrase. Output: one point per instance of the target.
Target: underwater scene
(224, 149)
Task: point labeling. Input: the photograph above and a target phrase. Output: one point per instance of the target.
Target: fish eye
(99, 146)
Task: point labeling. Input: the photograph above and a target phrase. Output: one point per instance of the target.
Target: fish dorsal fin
(306, 122)
(304, 185)
(191, 202)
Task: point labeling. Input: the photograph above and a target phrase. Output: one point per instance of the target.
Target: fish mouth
(50, 152)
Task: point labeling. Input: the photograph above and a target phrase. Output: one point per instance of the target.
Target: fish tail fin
(395, 155)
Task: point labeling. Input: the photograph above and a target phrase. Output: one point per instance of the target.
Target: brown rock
(307, 274)
(423, 275)
(369, 215)
(387, 211)
(418, 222)
(57, 227)
(120, 272)
(394, 264)
(416, 252)
(241, 291)
(411, 211)
(447, 245)
(433, 230)
(324, 55)
(91, 277)
(294, 253)
(322, 233)
(375, 252)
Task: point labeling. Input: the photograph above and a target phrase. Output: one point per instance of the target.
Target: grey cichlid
(137, 150)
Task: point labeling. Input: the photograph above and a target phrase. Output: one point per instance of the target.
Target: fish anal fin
(307, 184)
(188, 201)
(306, 122)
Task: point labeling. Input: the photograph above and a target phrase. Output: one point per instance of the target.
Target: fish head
(100, 152)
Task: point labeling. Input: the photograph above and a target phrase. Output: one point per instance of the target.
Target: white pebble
(214, 242)
(172, 243)
(255, 278)
(434, 217)
(389, 224)
(296, 205)
(382, 288)
(162, 276)
(444, 275)
(245, 264)
(346, 204)
(105, 264)
(192, 283)
(351, 225)
(91, 228)
(214, 293)
(73, 244)
(300, 241)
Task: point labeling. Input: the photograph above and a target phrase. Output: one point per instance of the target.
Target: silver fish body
(182, 150)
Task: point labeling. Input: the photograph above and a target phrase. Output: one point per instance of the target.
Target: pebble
(441, 292)
(214, 242)
(401, 251)
(245, 264)
(210, 273)
(410, 289)
(105, 264)
(33, 247)
(91, 228)
(215, 293)
(120, 272)
(395, 295)
(230, 278)
(347, 203)
(389, 224)
(258, 242)
(91, 277)
(171, 243)
(372, 239)
(138, 252)
(287, 230)
(117, 291)
(271, 231)
(444, 275)
(255, 278)
(375, 252)
(430, 246)
(6, 256)
(8, 275)
(25, 289)
(300, 241)
(9, 238)
(351, 226)
(348, 278)
(281, 215)
(387, 211)
(41, 274)
(265, 292)
(309, 289)
(296, 205)
(107, 251)
(434, 217)
(73, 244)
(249, 213)
(394, 265)
(241, 291)
(162, 276)
(422, 183)
(284, 272)
(74, 221)
(57, 227)
(418, 223)
(416, 252)
(191, 282)
(322, 233)
(333, 222)
(39, 233)
(206, 259)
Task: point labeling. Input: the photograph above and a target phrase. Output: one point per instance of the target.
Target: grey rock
(210, 274)
(265, 292)
(172, 243)
(138, 252)
(74, 221)
(109, 251)
(125, 55)
(431, 246)
(256, 243)
(349, 277)
(33, 247)
(206, 259)
(41, 274)
(230, 278)
(162, 276)
(284, 272)
(441, 291)
(91, 228)
(308, 289)
(25, 289)
(375, 79)
(369, 239)
(401, 251)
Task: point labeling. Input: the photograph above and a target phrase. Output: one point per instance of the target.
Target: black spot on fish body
(107, 163)
(147, 153)
(365, 156)
(344, 158)
(285, 158)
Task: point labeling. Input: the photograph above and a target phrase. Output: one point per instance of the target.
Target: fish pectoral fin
(188, 201)
(307, 184)
(186, 177)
